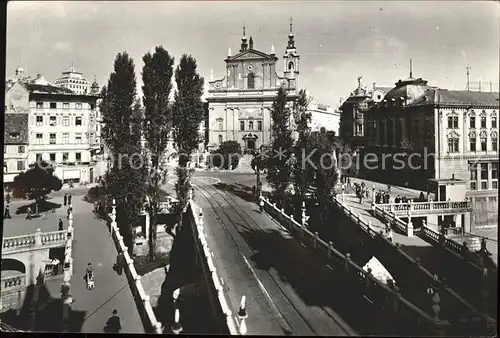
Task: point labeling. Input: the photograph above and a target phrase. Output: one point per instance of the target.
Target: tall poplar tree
(117, 113)
(157, 78)
(187, 116)
(278, 169)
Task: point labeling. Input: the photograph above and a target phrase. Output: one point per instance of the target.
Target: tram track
(213, 197)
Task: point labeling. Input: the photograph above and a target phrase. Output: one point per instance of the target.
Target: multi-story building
(352, 110)
(323, 116)
(61, 126)
(240, 103)
(442, 134)
(15, 149)
(74, 81)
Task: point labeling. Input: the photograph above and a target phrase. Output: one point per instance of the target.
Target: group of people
(382, 197)
(361, 191)
(67, 199)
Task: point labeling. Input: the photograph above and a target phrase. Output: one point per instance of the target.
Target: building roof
(409, 90)
(458, 98)
(47, 89)
(16, 123)
(382, 89)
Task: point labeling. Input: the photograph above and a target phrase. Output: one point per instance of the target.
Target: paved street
(93, 244)
(287, 291)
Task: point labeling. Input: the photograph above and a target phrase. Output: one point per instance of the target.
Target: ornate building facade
(442, 134)
(240, 103)
(61, 127)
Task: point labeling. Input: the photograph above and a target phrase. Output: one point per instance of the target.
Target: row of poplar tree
(126, 119)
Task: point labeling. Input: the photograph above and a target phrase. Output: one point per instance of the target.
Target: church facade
(240, 103)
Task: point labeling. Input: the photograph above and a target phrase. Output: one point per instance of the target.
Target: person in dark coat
(7, 198)
(60, 224)
(113, 324)
(7, 212)
(421, 198)
(69, 199)
(65, 199)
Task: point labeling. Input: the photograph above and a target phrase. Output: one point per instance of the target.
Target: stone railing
(13, 282)
(382, 295)
(151, 324)
(424, 207)
(218, 303)
(38, 239)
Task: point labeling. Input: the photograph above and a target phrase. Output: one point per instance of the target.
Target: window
(483, 142)
(52, 157)
(78, 157)
(472, 122)
(359, 128)
(39, 121)
(5, 170)
(472, 141)
(453, 143)
(250, 125)
(484, 176)
(65, 138)
(259, 125)
(14, 135)
(453, 122)
(39, 138)
(483, 120)
(20, 149)
(379, 97)
(52, 121)
(78, 121)
(494, 141)
(65, 121)
(290, 65)
(39, 105)
(220, 138)
(21, 165)
(494, 175)
(78, 106)
(65, 105)
(221, 127)
(52, 138)
(493, 121)
(242, 125)
(251, 81)
(65, 157)
(78, 138)
(53, 105)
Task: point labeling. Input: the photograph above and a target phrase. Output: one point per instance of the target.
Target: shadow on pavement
(315, 284)
(48, 317)
(43, 206)
(239, 190)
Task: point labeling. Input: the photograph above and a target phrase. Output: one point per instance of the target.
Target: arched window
(251, 81)
(290, 65)
(220, 138)
(453, 140)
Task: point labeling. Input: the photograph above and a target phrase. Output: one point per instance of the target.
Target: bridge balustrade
(13, 282)
(460, 206)
(18, 242)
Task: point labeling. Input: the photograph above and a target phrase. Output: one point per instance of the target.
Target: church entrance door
(250, 144)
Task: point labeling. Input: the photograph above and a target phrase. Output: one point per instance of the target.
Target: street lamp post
(258, 189)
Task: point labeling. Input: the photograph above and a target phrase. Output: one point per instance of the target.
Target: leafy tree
(188, 113)
(118, 98)
(228, 153)
(302, 176)
(157, 78)
(277, 162)
(37, 182)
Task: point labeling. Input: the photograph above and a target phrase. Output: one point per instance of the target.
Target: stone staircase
(245, 165)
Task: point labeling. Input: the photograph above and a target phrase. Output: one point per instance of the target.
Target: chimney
(373, 86)
(452, 177)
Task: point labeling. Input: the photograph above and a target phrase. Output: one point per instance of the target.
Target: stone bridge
(24, 257)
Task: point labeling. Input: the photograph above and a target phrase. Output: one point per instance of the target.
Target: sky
(337, 40)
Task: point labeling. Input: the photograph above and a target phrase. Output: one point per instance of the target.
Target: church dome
(409, 89)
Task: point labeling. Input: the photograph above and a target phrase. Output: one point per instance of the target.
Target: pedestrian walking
(70, 209)
(113, 324)
(60, 224)
(69, 199)
(65, 199)
(28, 213)
(7, 212)
(7, 198)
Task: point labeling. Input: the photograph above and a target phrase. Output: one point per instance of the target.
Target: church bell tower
(291, 60)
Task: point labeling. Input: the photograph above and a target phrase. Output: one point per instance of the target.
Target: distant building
(351, 114)
(459, 129)
(323, 116)
(61, 126)
(74, 80)
(240, 103)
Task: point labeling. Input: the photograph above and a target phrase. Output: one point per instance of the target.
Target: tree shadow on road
(43, 206)
(241, 191)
